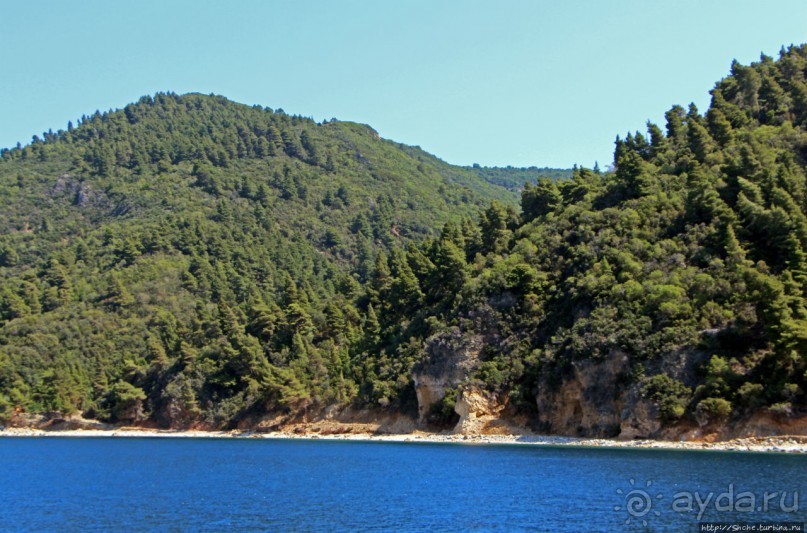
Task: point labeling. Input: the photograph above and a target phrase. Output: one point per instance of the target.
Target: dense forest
(192, 257)
(194, 262)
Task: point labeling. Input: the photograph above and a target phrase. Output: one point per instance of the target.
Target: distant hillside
(514, 178)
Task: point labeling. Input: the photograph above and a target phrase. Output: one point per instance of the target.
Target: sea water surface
(135, 484)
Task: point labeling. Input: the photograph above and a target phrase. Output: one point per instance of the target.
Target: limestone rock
(450, 358)
(478, 410)
(586, 403)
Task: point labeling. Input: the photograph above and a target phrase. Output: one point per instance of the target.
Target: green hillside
(688, 262)
(136, 247)
(514, 178)
(193, 262)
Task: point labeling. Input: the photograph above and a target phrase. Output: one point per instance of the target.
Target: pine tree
(380, 281)
(540, 200)
(405, 293)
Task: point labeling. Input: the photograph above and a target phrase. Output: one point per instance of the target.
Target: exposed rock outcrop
(333, 420)
(52, 421)
(587, 402)
(592, 400)
(639, 418)
(761, 424)
(479, 412)
(599, 398)
(450, 358)
(80, 192)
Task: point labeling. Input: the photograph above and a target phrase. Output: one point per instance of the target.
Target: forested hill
(514, 178)
(127, 239)
(190, 262)
(669, 293)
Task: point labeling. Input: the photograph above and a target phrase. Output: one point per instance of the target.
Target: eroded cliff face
(761, 424)
(595, 398)
(588, 401)
(53, 422)
(481, 413)
(450, 359)
(590, 398)
(333, 420)
(599, 398)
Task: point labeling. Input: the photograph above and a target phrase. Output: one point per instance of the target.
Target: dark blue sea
(135, 484)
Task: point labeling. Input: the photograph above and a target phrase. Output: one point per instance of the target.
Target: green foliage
(670, 395)
(540, 200)
(195, 261)
(781, 409)
(442, 413)
(515, 178)
(750, 395)
(192, 261)
(125, 402)
(712, 410)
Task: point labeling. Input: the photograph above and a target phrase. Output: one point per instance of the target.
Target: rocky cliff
(450, 359)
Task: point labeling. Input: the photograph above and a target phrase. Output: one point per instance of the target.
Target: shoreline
(773, 444)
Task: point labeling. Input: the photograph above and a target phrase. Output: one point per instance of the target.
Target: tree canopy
(195, 262)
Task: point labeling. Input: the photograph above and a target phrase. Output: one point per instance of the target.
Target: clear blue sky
(528, 82)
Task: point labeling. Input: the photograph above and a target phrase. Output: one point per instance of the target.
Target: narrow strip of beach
(780, 444)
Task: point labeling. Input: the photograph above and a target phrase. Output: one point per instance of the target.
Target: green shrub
(750, 394)
(670, 395)
(442, 412)
(712, 410)
(781, 409)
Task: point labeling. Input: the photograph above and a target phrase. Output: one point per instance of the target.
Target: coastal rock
(639, 418)
(765, 425)
(332, 420)
(53, 421)
(450, 358)
(602, 398)
(589, 402)
(478, 410)
(72, 423)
